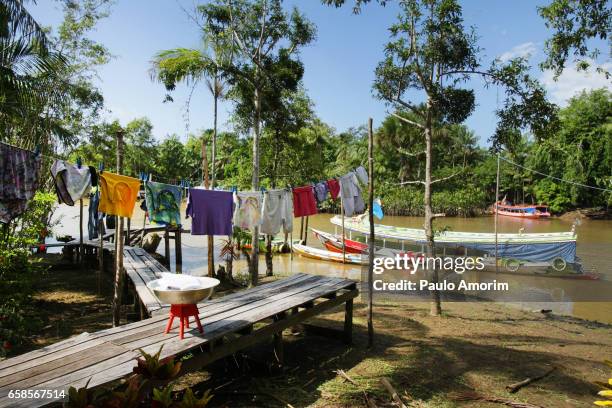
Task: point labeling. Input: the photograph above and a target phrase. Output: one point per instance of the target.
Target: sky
(339, 65)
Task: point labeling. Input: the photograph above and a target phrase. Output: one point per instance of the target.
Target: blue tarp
(530, 252)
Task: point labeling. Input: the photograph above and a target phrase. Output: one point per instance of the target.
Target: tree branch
(411, 182)
(446, 178)
(407, 153)
(408, 121)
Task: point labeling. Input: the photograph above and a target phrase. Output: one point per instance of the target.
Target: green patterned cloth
(163, 203)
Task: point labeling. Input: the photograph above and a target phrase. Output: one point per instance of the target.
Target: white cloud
(525, 50)
(571, 81)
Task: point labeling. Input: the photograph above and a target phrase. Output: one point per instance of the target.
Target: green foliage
(82, 397)
(130, 397)
(553, 194)
(18, 318)
(191, 401)
(162, 398)
(580, 152)
(152, 367)
(575, 23)
(46, 89)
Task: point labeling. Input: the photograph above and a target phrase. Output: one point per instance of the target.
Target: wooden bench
(229, 326)
(141, 268)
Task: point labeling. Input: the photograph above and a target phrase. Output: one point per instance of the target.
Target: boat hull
(531, 212)
(324, 255)
(333, 243)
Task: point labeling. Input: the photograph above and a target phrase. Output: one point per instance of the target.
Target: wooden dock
(108, 355)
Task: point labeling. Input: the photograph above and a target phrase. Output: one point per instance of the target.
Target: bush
(17, 272)
(553, 194)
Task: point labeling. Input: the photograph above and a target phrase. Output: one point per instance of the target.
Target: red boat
(522, 210)
(333, 243)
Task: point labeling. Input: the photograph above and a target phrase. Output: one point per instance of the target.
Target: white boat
(533, 247)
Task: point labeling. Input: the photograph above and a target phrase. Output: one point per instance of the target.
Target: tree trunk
(436, 307)
(210, 239)
(119, 271)
(213, 179)
(269, 263)
(254, 260)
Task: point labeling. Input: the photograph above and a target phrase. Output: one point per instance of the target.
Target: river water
(594, 249)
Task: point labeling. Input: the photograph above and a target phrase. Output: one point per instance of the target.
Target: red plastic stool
(183, 312)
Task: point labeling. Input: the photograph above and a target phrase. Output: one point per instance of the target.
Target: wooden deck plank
(59, 368)
(217, 328)
(230, 312)
(220, 317)
(211, 307)
(212, 330)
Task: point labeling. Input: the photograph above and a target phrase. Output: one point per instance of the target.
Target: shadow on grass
(421, 366)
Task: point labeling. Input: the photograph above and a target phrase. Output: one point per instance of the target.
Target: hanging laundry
(277, 211)
(211, 212)
(19, 179)
(94, 176)
(95, 217)
(247, 209)
(334, 188)
(71, 181)
(304, 203)
(118, 194)
(163, 203)
(377, 209)
(351, 195)
(362, 175)
(321, 191)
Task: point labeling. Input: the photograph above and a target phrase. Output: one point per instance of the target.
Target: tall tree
(264, 40)
(431, 52)
(193, 66)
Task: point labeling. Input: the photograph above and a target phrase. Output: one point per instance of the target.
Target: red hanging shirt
(304, 203)
(334, 188)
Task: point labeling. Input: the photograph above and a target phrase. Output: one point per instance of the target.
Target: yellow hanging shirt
(118, 194)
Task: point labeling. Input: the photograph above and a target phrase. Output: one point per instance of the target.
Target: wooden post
(306, 232)
(100, 250)
(144, 216)
(211, 240)
(127, 235)
(118, 243)
(167, 246)
(342, 215)
(372, 234)
(81, 247)
(301, 229)
(496, 211)
(178, 250)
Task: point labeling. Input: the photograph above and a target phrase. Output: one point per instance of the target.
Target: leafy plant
(81, 397)
(131, 397)
(162, 397)
(152, 367)
(191, 401)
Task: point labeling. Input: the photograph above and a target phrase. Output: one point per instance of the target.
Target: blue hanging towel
(377, 209)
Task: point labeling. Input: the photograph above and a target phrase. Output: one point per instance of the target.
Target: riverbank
(473, 347)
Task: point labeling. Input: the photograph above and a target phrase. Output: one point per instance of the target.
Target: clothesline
(556, 178)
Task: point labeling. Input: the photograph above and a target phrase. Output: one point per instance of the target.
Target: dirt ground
(474, 348)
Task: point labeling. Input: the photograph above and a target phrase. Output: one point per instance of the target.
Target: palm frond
(179, 65)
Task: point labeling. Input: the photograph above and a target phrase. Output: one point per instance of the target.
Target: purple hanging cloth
(210, 211)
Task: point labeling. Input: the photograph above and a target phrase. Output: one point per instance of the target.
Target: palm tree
(29, 74)
(191, 66)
